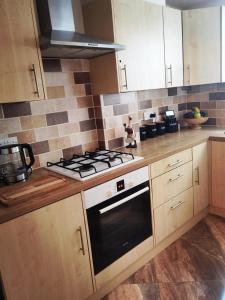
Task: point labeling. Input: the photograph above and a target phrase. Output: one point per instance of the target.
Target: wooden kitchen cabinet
(218, 175)
(21, 72)
(172, 21)
(202, 45)
(200, 177)
(173, 214)
(136, 24)
(41, 256)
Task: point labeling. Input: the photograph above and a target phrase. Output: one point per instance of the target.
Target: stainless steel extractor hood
(59, 38)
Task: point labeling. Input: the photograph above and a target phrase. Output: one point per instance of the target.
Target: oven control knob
(109, 194)
(130, 184)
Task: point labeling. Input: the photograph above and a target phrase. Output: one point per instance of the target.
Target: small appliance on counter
(161, 127)
(171, 121)
(13, 164)
(151, 130)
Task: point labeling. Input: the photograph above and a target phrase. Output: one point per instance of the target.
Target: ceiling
(188, 4)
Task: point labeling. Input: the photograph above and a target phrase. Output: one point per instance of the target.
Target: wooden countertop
(152, 150)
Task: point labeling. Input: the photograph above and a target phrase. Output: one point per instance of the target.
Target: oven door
(119, 224)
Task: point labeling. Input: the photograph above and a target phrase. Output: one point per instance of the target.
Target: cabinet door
(40, 256)
(173, 214)
(200, 177)
(21, 76)
(173, 46)
(202, 43)
(218, 174)
(139, 26)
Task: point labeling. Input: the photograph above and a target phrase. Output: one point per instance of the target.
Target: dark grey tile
(97, 100)
(57, 118)
(82, 77)
(217, 96)
(11, 110)
(91, 113)
(208, 105)
(194, 89)
(99, 124)
(121, 109)
(69, 152)
(52, 65)
(1, 112)
(211, 121)
(40, 147)
(182, 106)
(88, 89)
(101, 144)
(145, 104)
(192, 104)
(116, 143)
(87, 125)
(172, 91)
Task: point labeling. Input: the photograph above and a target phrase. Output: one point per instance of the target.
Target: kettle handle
(30, 153)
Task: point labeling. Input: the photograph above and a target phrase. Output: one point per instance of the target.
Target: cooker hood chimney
(59, 38)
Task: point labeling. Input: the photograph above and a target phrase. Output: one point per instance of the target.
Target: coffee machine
(13, 163)
(171, 121)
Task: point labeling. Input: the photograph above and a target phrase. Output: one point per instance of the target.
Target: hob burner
(86, 168)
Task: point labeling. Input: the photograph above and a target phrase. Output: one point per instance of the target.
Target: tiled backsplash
(72, 120)
(62, 125)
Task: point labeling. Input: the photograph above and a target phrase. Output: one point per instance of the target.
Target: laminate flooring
(192, 268)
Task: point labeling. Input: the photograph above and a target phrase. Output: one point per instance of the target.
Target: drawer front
(170, 163)
(173, 214)
(171, 184)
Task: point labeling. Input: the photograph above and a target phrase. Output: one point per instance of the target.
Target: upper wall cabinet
(136, 24)
(173, 46)
(202, 45)
(21, 74)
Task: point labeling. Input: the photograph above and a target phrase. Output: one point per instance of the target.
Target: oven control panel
(115, 186)
(120, 185)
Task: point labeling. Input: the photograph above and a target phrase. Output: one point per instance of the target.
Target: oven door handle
(107, 208)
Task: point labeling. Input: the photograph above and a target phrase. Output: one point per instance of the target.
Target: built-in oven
(119, 216)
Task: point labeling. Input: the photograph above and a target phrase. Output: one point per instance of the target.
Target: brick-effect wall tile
(69, 152)
(116, 143)
(217, 96)
(145, 104)
(85, 102)
(11, 110)
(52, 65)
(87, 125)
(40, 147)
(55, 92)
(82, 77)
(57, 118)
(121, 109)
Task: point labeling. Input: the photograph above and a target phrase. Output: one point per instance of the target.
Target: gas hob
(92, 164)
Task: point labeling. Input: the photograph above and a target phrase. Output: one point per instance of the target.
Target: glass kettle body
(13, 162)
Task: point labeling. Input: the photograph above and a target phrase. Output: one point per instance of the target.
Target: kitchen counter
(152, 150)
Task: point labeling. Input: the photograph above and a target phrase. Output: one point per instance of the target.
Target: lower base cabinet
(173, 214)
(44, 254)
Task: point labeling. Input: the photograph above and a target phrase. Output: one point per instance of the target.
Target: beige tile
(75, 65)
(110, 134)
(75, 139)
(75, 116)
(36, 163)
(107, 111)
(43, 107)
(86, 101)
(133, 107)
(220, 113)
(30, 122)
(198, 97)
(119, 132)
(59, 78)
(212, 113)
(10, 125)
(220, 122)
(68, 128)
(113, 122)
(54, 92)
(46, 133)
(52, 156)
(130, 97)
(79, 90)
(179, 99)
(27, 136)
(59, 143)
(65, 104)
(157, 102)
(220, 104)
(90, 146)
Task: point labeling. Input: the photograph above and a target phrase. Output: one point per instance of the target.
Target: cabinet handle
(174, 179)
(125, 73)
(189, 74)
(197, 179)
(81, 240)
(177, 205)
(175, 163)
(171, 75)
(33, 69)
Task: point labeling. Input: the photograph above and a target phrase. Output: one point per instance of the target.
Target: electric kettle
(13, 162)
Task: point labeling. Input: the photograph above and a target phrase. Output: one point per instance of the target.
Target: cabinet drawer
(171, 184)
(170, 163)
(173, 214)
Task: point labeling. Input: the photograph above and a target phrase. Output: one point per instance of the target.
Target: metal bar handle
(177, 205)
(175, 163)
(171, 76)
(197, 180)
(79, 229)
(174, 179)
(107, 208)
(125, 73)
(33, 69)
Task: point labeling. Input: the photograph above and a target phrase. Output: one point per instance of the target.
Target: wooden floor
(192, 268)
